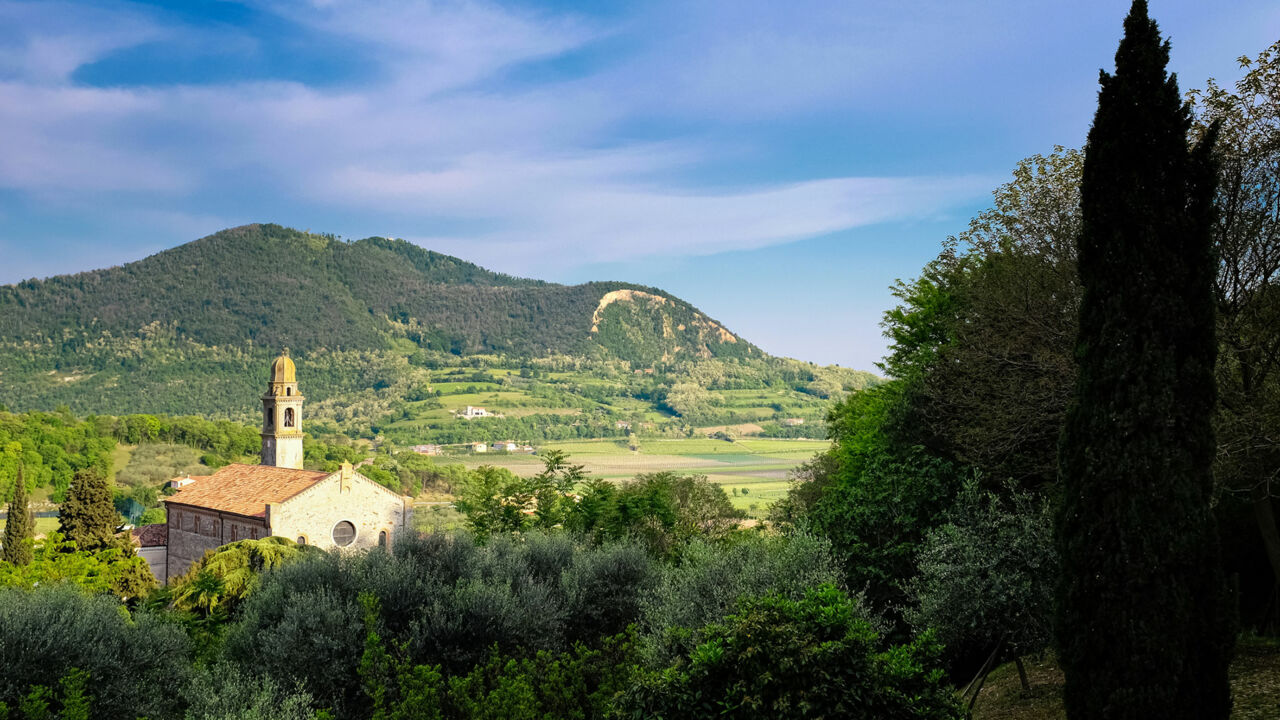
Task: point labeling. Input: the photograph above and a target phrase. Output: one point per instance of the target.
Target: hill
(281, 287)
(390, 338)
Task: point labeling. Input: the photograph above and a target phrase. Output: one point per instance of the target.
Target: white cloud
(48, 40)
(537, 171)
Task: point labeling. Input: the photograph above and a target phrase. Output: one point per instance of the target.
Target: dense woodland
(1074, 455)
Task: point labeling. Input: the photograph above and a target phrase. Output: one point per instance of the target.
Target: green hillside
(280, 287)
(389, 337)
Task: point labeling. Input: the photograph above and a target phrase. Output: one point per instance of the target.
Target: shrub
(808, 658)
(132, 662)
(224, 692)
(710, 579)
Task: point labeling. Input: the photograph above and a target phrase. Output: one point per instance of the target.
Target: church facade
(339, 509)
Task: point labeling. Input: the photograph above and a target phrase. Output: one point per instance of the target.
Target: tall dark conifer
(19, 527)
(88, 516)
(1144, 626)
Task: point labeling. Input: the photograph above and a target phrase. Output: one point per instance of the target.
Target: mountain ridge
(279, 287)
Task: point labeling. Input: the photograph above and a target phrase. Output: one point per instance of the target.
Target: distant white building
(474, 412)
(427, 449)
(505, 446)
(480, 447)
(792, 422)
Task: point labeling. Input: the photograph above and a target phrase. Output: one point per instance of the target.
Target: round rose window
(344, 533)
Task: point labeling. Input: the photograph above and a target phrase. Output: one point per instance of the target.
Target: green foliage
(50, 448)
(442, 599)
(494, 500)
(1247, 241)
(876, 498)
(88, 517)
(986, 577)
(19, 527)
(89, 648)
(580, 683)
(711, 578)
(808, 658)
(42, 703)
(552, 489)
(664, 510)
(57, 561)
(224, 577)
(1144, 622)
(226, 692)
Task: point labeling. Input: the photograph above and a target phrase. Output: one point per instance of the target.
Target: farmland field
(753, 472)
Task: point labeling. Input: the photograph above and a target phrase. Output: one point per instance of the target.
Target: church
(340, 509)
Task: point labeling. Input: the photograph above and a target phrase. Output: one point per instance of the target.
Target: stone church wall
(313, 514)
(194, 531)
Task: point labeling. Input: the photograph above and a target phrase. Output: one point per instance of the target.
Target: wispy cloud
(628, 153)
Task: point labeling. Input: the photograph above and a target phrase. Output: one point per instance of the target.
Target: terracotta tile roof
(246, 489)
(151, 535)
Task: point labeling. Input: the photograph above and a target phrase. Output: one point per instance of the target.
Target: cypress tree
(88, 516)
(1145, 627)
(19, 527)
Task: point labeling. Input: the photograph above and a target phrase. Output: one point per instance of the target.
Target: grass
(120, 457)
(44, 525)
(154, 464)
(437, 518)
(758, 467)
(1255, 685)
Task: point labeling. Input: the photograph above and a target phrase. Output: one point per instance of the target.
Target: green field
(44, 525)
(758, 470)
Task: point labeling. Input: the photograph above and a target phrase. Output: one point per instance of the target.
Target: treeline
(938, 492)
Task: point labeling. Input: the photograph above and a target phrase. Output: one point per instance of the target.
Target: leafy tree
(983, 338)
(807, 658)
(57, 561)
(19, 528)
(1144, 625)
(552, 489)
(665, 510)
(225, 576)
(494, 500)
(443, 600)
(226, 692)
(881, 498)
(131, 664)
(1247, 238)
(711, 578)
(986, 577)
(88, 518)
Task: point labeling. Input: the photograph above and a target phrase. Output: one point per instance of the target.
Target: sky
(777, 164)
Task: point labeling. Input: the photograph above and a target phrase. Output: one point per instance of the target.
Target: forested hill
(279, 287)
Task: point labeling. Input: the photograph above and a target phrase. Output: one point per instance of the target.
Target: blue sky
(778, 164)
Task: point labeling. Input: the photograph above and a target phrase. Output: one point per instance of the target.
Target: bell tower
(282, 416)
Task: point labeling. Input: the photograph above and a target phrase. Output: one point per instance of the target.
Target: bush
(224, 692)
(986, 577)
(814, 657)
(447, 601)
(132, 663)
(710, 579)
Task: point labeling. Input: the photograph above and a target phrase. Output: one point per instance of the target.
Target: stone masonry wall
(313, 513)
(193, 531)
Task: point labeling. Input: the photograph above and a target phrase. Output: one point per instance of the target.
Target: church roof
(246, 489)
(151, 535)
